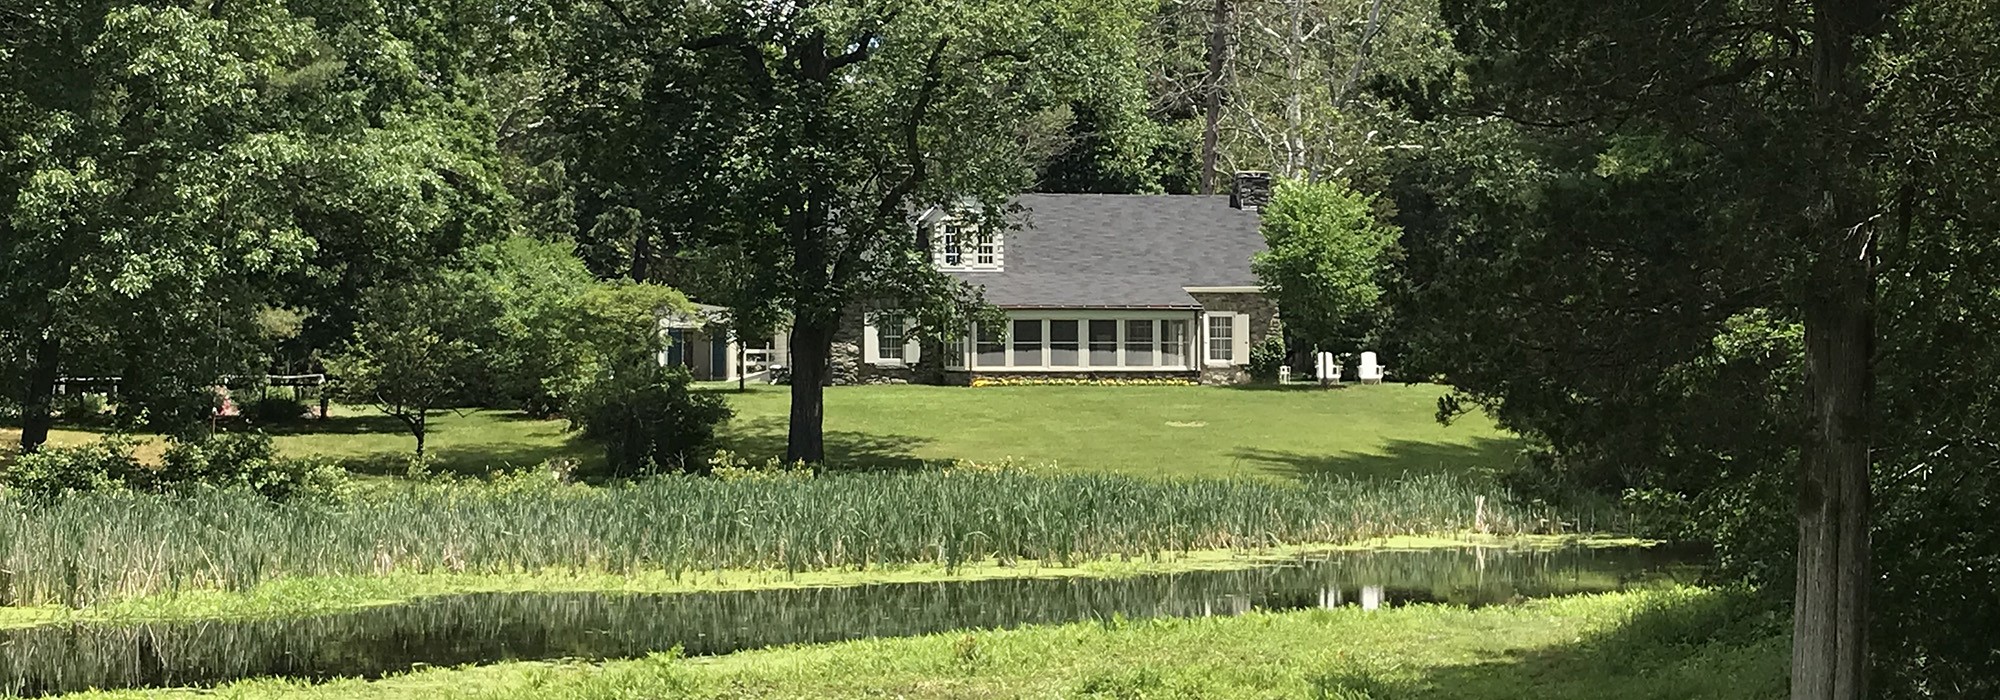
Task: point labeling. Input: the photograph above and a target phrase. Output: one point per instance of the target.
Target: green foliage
(1326, 252)
(650, 422)
(172, 171)
(532, 357)
(1636, 293)
(416, 346)
(57, 472)
(226, 461)
(1267, 357)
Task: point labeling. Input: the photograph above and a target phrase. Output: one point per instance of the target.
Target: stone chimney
(1253, 190)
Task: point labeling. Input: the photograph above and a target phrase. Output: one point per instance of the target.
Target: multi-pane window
(988, 350)
(1103, 343)
(1222, 339)
(1173, 343)
(1063, 347)
(889, 337)
(950, 249)
(1139, 343)
(1027, 340)
(989, 251)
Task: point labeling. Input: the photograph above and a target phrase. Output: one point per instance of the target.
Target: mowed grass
(1678, 644)
(1383, 430)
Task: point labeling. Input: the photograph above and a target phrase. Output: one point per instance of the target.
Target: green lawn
(1677, 644)
(1383, 430)
(1154, 431)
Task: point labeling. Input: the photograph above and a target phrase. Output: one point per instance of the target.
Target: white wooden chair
(1370, 371)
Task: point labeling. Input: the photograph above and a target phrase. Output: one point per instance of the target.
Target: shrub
(78, 409)
(241, 461)
(56, 471)
(221, 462)
(275, 410)
(1266, 357)
(649, 422)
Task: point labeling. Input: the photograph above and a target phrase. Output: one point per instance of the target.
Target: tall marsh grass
(97, 547)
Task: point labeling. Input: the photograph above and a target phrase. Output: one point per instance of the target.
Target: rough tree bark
(1211, 135)
(1830, 604)
(812, 350)
(37, 414)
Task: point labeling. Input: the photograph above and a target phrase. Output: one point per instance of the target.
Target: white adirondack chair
(1371, 371)
(1328, 369)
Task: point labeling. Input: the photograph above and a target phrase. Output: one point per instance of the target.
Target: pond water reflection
(489, 628)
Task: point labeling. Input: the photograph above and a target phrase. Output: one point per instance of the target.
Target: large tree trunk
(1830, 607)
(421, 428)
(37, 414)
(1830, 603)
(812, 353)
(1211, 135)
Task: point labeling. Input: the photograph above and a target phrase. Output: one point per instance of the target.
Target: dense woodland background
(1699, 254)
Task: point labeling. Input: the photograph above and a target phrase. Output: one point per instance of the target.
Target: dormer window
(953, 252)
(989, 251)
(962, 247)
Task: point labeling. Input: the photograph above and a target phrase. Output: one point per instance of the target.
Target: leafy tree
(1668, 264)
(414, 348)
(170, 169)
(1325, 251)
(807, 135)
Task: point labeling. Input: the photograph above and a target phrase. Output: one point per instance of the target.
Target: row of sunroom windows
(1058, 343)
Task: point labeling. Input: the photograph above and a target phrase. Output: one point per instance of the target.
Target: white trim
(1223, 290)
(969, 241)
(871, 345)
(1236, 323)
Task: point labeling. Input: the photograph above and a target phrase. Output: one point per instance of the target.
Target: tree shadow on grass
(1481, 457)
(1709, 645)
(1268, 386)
(331, 425)
(765, 437)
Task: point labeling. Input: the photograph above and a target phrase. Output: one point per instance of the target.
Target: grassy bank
(1675, 644)
(94, 549)
(317, 595)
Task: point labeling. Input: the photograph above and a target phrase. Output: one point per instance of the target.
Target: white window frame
(950, 245)
(987, 253)
(872, 340)
(975, 250)
(1239, 340)
(1085, 362)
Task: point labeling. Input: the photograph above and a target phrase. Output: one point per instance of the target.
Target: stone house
(1093, 287)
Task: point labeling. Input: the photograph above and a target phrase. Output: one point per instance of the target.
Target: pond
(489, 628)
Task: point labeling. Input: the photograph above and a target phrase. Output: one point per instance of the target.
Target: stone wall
(1263, 322)
(851, 366)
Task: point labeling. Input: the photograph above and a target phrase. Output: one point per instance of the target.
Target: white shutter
(912, 350)
(1240, 354)
(871, 343)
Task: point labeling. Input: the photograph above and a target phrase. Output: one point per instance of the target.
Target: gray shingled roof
(1110, 250)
